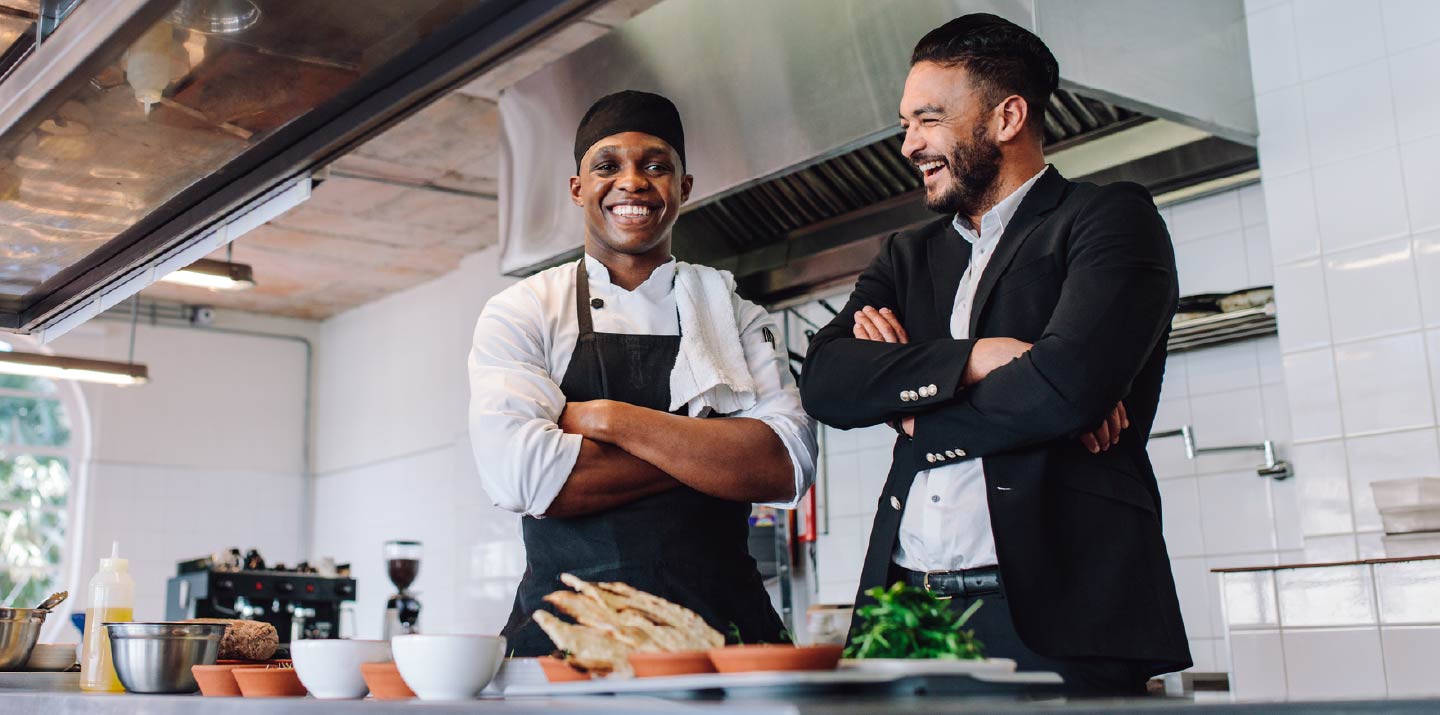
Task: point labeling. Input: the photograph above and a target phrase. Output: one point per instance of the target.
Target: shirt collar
(993, 223)
(656, 287)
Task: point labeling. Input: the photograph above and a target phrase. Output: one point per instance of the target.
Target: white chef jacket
(946, 523)
(521, 350)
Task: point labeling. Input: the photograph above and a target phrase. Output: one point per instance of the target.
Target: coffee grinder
(402, 611)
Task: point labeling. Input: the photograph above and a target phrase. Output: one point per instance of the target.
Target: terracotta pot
(385, 682)
(652, 665)
(217, 681)
(269, 683)
(750, 658)
(558, 671)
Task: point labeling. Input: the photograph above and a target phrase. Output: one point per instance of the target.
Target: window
(37, 456)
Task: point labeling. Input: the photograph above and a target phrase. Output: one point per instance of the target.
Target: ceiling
(401, 209)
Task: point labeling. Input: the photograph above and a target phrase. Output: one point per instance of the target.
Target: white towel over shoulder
(710, 371)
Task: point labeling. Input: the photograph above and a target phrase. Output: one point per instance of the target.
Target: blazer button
(933, 390)
(895, 503)
(950, 453)
(930, 457)
(904, 395)
(914, 395)
(959, 452)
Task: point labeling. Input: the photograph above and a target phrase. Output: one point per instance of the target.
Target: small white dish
(330, 669)
(448, 667)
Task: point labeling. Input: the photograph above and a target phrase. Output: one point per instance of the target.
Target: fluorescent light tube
(213, 275)
(60, 367)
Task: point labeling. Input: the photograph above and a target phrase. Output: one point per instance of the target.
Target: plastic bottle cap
(114, 563)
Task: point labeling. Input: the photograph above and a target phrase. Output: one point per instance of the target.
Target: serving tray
(892, 681)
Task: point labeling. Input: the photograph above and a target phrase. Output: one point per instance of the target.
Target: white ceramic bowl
(330, 669)
(445, 667)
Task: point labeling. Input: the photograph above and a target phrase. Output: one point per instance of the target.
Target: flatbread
(589, 612)
(613, 620)
(665, 613)
(586, 647)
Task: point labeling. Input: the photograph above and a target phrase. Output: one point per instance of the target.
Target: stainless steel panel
(763, 86)
(1186, 60)
(768, 88)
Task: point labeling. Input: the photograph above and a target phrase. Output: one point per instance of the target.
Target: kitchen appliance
(299, 602)
(402, 611)
(156, 657)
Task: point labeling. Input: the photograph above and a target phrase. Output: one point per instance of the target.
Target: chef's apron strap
(582, 300)
(585, 342)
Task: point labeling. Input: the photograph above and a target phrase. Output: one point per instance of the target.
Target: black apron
(681, 545)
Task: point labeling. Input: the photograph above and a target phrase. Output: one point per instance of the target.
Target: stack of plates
(1410, 511)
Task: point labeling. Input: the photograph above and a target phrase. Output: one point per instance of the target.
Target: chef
(631, 406)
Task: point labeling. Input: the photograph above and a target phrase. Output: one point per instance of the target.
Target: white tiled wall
(1349, 117)
(1350, 631)
(206, 456)
(1217, 511)
(393, 456)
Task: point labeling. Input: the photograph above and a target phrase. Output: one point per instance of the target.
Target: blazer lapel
(949, 254)
(1044, 196)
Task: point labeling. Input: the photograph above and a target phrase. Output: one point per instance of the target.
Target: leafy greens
(906, 622)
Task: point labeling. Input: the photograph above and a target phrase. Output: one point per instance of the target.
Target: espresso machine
(302, 603)
(402, 610)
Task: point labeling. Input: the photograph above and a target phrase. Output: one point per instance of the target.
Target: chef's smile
(633, 213)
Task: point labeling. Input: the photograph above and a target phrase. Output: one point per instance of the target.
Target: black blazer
(1087, 274)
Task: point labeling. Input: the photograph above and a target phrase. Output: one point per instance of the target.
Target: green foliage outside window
(34, 489)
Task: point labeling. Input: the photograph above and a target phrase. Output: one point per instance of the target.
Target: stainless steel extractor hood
(791, 129)
(141, 133)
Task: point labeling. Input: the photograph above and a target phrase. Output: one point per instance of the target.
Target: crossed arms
(540, 456)
(997, 394)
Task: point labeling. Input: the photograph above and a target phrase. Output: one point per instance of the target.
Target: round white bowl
(330, 669)
(448, 667)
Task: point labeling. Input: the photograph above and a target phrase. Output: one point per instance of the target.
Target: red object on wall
(808, 527)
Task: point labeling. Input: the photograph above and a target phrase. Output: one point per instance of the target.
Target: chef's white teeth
(930, 166)
(631, 210)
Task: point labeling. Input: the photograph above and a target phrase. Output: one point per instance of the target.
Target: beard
(974, 167)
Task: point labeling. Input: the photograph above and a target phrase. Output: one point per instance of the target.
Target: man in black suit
(995, 340)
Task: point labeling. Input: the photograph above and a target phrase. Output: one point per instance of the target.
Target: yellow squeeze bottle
(112, 600)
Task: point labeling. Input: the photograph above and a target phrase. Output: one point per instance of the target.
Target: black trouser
(1084, 677)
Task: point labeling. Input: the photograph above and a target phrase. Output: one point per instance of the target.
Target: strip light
(59, 367)
(213, 275)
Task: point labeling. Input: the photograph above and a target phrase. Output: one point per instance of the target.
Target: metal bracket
(1273, 467)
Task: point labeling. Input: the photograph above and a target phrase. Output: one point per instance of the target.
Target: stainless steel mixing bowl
(156, 657)
(19, 630)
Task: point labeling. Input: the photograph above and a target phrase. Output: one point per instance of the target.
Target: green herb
(733, 634)
(906, 622)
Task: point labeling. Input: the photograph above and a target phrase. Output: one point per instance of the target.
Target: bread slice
(589, 648)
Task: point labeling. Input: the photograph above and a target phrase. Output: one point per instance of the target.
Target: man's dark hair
(1002, 57)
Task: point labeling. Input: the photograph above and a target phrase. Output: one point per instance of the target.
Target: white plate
(928, 666)
(40, 681)
(739, 682)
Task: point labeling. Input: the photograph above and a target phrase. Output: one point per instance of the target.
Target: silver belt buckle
(927, 586)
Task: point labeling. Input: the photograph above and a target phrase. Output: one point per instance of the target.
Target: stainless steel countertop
(83, 704)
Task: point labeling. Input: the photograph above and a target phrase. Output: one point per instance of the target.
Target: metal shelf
(1223, 328)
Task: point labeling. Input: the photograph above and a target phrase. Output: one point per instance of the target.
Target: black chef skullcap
(630, 111)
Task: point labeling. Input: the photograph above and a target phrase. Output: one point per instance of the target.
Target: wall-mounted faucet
(1275, 468)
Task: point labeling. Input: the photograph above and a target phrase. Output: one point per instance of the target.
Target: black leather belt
(950, 584)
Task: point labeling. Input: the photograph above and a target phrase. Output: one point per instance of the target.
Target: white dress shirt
(946, 523)
(522, 347)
